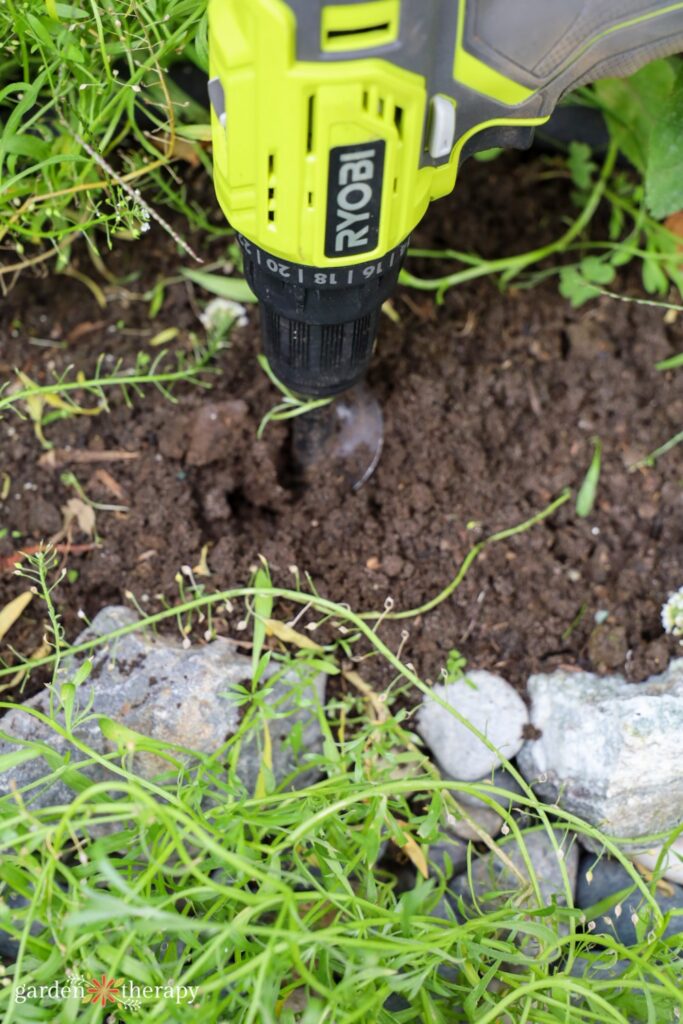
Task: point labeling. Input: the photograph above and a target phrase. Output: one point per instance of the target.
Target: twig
(58, 457)
(133, 193)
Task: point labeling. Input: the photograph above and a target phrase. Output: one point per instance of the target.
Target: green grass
(90, 73)
(273, 900)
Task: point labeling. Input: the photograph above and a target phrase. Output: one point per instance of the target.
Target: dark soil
(490, 405)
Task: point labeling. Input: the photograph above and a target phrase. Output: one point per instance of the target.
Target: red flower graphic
(103, 991)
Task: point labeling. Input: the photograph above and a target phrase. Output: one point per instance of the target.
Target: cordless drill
(336, 123)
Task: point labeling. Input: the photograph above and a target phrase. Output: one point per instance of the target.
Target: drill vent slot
(398, 120)
(272, 200)
(310, 124)
(360, 25)
(352, 34)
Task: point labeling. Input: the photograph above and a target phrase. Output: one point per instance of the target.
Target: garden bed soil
(491, 403)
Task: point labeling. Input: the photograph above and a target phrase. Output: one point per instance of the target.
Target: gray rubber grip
(554, 45)
(547, 46)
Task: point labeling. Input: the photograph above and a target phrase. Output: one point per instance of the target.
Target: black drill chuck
(318, 326)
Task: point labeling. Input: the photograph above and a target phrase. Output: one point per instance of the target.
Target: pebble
(609, 751)
(492, 706)
(448, 856)
(601, 878)
(670, 862)
(212, 431)
(488, 814)
(491, 882)
(186, 696)
(12, 901)
(608, 646)
(392, 565)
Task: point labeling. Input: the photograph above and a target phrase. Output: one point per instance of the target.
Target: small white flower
(672, 614)
(219, 313)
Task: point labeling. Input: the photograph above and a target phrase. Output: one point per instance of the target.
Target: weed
(45, 402)
(291, 405)
(585, 500)
(74, 84)
(276, 905)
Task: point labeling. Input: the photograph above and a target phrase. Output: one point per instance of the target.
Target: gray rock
(668, 862)
(603, 878)
(11, 901)
(158, 688)
(448, 856)
(479, 819)
(487, 814)
(492, 881)
(609, 751)
(492, 706)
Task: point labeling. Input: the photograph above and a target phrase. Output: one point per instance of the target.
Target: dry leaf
(414, 851)
(674, 223)
(77, 511)
(109, 483)
(377, 704)
(85, 327)
(180, 149)
(266, 763)
(202, 567)
(13, 611)
(288, 635)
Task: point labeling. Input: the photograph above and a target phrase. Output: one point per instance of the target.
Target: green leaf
(82, 673)
(263, 607)
(632, 105)
(194, 132)
(596, 270)
(655, 281)
(68, 12)
(670, 364)
(586, 497)
(486, 155)
(225, 287)
(616, 223)
(580, 165)
(575, 287)
(67, 694)
(157, 300)
(431, 821)
(664, 171)
(620, 257)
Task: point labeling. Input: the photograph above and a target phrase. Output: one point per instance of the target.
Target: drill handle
(524, 56)
(627, 36)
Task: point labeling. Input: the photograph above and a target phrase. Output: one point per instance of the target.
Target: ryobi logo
(354, 198)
